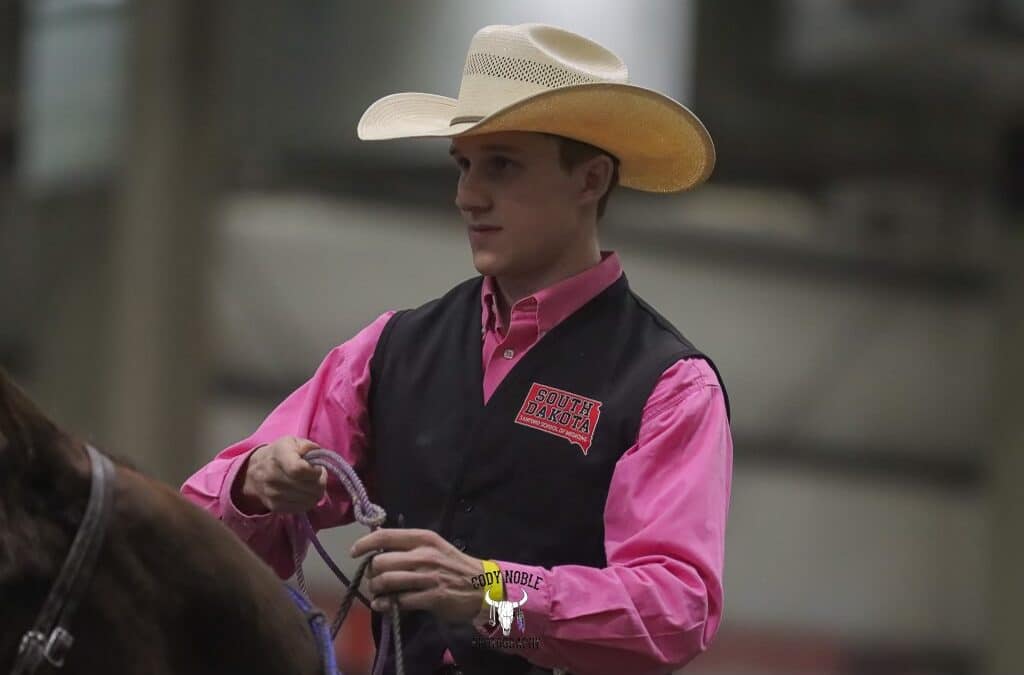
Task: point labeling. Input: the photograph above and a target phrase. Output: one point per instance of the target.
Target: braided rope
(369, 514)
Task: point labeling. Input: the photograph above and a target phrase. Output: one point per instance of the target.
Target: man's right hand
(276, 478)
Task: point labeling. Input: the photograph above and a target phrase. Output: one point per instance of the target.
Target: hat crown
(508, 63)
(537, 78)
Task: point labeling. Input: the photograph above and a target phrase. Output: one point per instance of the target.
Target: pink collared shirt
(657, 604)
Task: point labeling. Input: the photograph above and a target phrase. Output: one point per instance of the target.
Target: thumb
(294, 463)
(304, 446)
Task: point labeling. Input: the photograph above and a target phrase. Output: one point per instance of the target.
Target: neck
(512, 289)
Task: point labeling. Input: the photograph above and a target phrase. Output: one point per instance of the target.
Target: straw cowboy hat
(541, 78)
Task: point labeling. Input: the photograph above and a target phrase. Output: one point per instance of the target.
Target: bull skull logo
(506, 609)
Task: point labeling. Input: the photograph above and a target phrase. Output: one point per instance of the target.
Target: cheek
(535, 225)
(538, 209)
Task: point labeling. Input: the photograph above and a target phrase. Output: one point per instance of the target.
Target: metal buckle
(32, 639)
(57, 646)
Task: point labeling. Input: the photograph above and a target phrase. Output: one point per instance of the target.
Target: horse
(172, 591)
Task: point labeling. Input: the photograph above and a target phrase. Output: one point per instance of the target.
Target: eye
(499, 162)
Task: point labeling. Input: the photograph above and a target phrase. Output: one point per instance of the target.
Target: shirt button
(467, 507)
(509, 354)
(459, 544)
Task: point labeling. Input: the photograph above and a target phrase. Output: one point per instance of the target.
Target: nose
(471, 197)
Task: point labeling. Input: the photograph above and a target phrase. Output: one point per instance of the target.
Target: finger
(303, 446)
(394, 539)
(401, 582)
(299, 469)
(380, 605)
(425, 600)
(296, 503)
(322, 482)
(298, 492)
(391, 561)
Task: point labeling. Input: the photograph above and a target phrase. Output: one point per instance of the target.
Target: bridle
(49, 639)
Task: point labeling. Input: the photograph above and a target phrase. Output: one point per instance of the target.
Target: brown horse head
(174, 591)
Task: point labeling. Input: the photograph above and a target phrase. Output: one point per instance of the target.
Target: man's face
(520, 206)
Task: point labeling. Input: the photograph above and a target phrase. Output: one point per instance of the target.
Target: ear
(23, 427)
(595, 178)
(12, 432)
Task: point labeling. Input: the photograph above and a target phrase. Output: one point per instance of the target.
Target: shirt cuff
(242, 523)
(531, 581)
(531, 642)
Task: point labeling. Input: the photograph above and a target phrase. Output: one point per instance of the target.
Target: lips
(484, 228)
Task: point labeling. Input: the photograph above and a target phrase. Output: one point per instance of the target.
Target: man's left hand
(420, 570)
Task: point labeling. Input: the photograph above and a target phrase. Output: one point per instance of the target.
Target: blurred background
(188, 224)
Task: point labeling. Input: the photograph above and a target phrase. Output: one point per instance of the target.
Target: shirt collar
(556, 302)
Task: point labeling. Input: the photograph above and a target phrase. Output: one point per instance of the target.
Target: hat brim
(661, 146)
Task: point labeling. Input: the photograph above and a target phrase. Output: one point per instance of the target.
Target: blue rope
(318, 624)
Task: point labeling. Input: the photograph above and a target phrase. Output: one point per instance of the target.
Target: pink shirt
(657, 604)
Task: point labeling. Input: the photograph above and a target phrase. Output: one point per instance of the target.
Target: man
(540, 420)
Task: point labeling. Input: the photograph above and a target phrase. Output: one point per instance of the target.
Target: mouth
(484, 228)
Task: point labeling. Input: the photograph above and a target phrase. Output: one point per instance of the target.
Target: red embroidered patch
(561, 413)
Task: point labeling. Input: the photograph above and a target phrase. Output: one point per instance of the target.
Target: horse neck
(192, 585)
(174, 592)
(41, 506)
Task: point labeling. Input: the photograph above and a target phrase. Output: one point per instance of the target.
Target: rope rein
(371, 515)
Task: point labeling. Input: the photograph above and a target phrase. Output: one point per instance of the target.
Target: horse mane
(174, 590)
(42, 489)
(23, 427)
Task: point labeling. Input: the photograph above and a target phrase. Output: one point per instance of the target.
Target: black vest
(524, 478)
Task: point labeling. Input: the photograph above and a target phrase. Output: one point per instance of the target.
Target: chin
(487, 263)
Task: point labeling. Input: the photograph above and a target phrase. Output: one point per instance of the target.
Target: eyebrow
(490, 147)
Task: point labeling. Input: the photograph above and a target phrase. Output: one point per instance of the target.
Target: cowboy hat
(539, 78)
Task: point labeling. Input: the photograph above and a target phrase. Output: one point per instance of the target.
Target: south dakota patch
(561, 413)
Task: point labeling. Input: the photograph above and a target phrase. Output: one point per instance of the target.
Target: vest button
(459, 544)
(465, 506)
